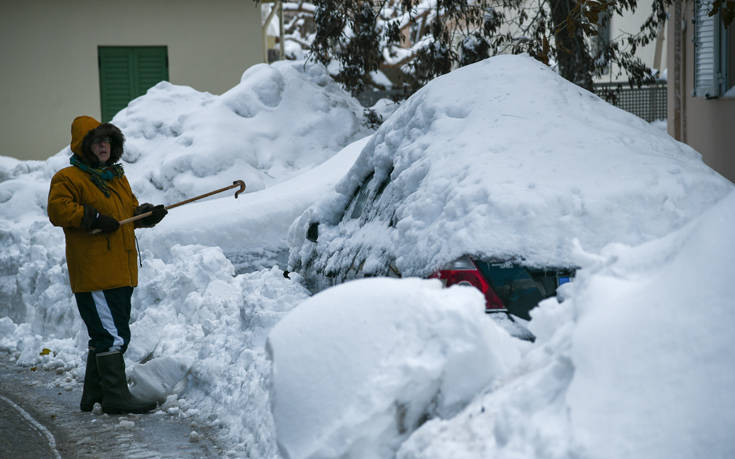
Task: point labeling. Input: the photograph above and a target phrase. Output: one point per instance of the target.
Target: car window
(354, 208)
(515, 287)
(521, 288)
(365, 194)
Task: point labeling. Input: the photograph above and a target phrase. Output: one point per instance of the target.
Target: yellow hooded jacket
(95, 261)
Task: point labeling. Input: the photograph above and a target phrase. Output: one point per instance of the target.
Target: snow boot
(92, 392)
(116, 398)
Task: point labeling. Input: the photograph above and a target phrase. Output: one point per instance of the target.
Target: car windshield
(522, 288)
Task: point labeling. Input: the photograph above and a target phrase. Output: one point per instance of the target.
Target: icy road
(40, 420)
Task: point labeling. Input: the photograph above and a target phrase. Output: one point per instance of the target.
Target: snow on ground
(210, 294)
(205, 330)
(199, 329)
(660, 124)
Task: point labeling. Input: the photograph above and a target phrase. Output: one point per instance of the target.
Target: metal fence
(647, 102)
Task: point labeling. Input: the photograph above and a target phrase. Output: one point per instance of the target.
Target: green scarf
(99, 175)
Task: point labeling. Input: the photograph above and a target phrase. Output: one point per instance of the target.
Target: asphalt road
(22, 435)
(38, 420)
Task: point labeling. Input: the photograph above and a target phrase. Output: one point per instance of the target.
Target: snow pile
(358, 367)
(181, 142)
(34, 282)
(201, 332)
(199, 329)
(24, 189)
(280, 120)
(501, 159)
(252, 230)
(637, 363)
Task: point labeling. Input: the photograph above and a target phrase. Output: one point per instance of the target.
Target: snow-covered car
(505, 176)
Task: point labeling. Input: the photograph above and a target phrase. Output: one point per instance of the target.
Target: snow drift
(358, 367)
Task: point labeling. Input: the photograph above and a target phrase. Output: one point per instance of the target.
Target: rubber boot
(92, 392)
(116, 398)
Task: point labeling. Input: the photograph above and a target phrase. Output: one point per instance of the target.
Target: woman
(87, 199)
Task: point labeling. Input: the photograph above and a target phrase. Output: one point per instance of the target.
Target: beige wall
(706, 125)
(630, 24)
(48, 54)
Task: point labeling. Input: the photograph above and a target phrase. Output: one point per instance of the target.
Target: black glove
(105, 223)
(157, 214)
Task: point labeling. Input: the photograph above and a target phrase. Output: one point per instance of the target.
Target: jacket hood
(84, 129)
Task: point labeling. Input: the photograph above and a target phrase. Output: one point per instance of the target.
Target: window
(714, 60)
(521, 288)
(127, 72)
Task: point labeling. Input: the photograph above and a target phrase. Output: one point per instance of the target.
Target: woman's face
(101, 149)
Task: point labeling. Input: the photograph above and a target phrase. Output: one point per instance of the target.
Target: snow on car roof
(502, 159)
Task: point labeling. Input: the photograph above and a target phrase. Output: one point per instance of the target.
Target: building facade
(701, 84)
(619, 26)
(63, 59)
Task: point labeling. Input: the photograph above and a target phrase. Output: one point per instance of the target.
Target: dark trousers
(107, 316)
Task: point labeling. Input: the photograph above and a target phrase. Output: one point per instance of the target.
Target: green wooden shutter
(151, 68)
(127, 72)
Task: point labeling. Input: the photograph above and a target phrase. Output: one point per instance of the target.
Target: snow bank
(252, 230)
(34, 282)
(636, 363)
(201, 332)
(199, 327)
(280, 120)
(358, 367)
(502, 159)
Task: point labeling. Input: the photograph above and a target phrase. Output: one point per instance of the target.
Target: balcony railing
(647, 102)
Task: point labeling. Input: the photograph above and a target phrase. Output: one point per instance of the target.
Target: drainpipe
(678, 24)
(659, 47)
(684, 93)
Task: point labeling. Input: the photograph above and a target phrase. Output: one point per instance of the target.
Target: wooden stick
(235, 184)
